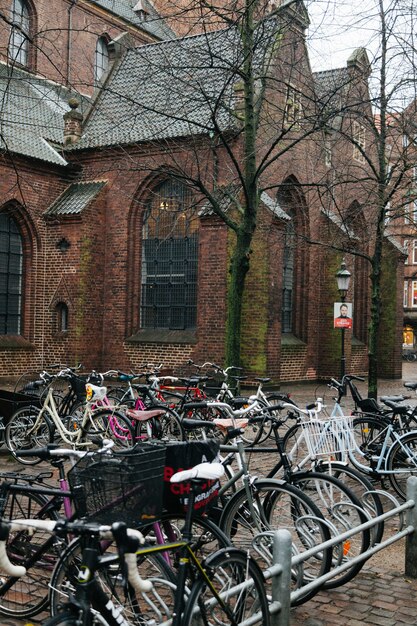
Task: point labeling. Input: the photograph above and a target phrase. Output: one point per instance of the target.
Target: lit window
(11, 264)
(359, 142)
(293, 108)
(169, 259)
(101, 60)
(19, 35)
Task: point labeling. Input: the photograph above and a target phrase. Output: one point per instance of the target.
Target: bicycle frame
(50, 410)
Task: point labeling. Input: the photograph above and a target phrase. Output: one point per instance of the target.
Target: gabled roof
(32, 111)
(153, 24)
(75, 198)
(172, 89)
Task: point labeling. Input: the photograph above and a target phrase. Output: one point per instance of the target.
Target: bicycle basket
(329, 437)
(125, 487)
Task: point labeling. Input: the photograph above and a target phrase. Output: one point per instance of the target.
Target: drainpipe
(68, 72)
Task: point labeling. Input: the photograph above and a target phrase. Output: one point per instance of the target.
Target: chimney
(73, 121)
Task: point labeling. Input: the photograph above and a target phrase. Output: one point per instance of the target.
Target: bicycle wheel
(165, 427)
(19, 435)
(227, 569)
(207, 536)
(402, 462)
(109, 424)
(285, 507)
(363, 489)
(28, 596)
(343, 510)
(369, 433)
(151, 607)
(64, 619)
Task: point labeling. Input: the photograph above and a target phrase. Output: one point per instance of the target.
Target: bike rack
(283, 561)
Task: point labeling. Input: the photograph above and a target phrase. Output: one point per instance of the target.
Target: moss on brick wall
(388, 327)
(255, 308)
(86, 281)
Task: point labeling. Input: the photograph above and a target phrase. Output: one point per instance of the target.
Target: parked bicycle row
(319, 501)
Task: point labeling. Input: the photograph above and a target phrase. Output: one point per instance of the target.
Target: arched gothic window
(101, 61)
(288, 278)
(169, 259)
(19, 35)
(11, 266)
(295, 260)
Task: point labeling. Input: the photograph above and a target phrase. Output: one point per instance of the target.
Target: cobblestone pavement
(380, 595)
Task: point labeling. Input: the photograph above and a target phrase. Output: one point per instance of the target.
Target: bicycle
(373, 446)
(29, 428)
(242, 514)
(228, 588)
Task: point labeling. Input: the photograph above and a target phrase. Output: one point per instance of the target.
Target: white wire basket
(329, 437)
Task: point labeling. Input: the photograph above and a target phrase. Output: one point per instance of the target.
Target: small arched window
(101, 62)
(11, 271)
(61, 310)
(169, 259)
(20, 32)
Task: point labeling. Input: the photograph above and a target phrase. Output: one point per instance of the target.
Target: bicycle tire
(369, 435)
(110, 424)
(64, 619)
(344, 511)
(227, 569)
(166, 427)
(16, 435)
(287, 508)
(28, 595)
(151, 567)
(402, 462)
(363, 488)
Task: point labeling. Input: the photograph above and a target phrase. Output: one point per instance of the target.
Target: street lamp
(343, 279)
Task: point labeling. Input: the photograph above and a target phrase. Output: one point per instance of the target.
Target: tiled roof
(32, 111)
(154, 23)
(171, 89)
(75, 198)
(274, 206)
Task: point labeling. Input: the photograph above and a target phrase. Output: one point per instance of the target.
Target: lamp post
(343, 279)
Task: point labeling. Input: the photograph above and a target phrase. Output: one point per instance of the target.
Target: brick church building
(116, 132)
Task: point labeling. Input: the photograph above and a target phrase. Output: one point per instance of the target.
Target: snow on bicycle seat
(224, 424)
(205, 471)
(143, 416)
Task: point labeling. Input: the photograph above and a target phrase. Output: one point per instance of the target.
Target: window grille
(11, 264)
(288, 279)
(19, 35)
(101, 64)
(405, 298)
(169, 260)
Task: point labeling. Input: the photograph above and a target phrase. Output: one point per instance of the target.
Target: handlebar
(127, 540)
(52, 451)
